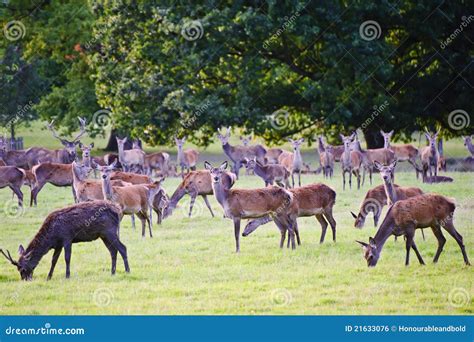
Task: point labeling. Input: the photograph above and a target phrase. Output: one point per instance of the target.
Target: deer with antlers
(237, 154)
(82, 222)
(293, 161)
(350, 161)
(130, 158)
(187, 159)
(404, 152)
(430, 156)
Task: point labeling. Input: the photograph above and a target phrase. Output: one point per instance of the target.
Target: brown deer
(270, 173)
(271, 157)
(430, 156)
(350, 162)
(187, 159)
(130, 158)
(237, 154)
(293, 161)
(132, 199)
(77, 223)
(13, 177)
(240, 204)
(12, 158)
(405, 216)
(65, 156)
(157, 161)
(311, 200)
(53, 173)
(404, 152)
(130, 177)
(326, 158)
(246, 140)
(197, 183)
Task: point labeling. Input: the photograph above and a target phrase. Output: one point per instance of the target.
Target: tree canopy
(275, 68)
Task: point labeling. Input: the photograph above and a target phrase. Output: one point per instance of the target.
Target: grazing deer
(270, 173)
(246, 140)
(237, 154)
(240, 204)
(197, 183)
(130, 158)
(271, 157)
(77, 223)
(469, 145)
(430, 156)
(311, 200)
(186, 159)
(13, 177)
(65, 156)
(350, 162)
(326, 158)
(132, 199)
(405, 216)
(293, 161)
(376, 198)
(53, 173)
(404, 152)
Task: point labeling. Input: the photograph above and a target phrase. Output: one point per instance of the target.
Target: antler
(9, 257)
(50, 127)
(83, 129)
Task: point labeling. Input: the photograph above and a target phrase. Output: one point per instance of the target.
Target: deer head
(180, 142)
(216, 173)
(431, 138)
(224, 138)
(81, 170)
(106, 170)
(69, 145)
(347, 140)
(121, 142)
(86, 150)
(467, 140)
(386, 137)
(136, 145)
(246, 140)
(250, 163)
(26, 272)
(387, 172)
(296, 143)
(359, 219)
(371, 253)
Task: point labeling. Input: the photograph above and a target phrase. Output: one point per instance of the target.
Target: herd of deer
(101, 204)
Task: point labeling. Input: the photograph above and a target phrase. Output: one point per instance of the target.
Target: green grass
(190, 267)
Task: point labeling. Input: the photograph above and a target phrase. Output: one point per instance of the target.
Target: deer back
(313, 199)
(54, 173)
(11, 175)
(286, 159)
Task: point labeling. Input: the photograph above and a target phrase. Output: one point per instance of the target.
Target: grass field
(190, 267)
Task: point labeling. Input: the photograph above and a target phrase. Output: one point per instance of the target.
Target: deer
(311, 200)
(469, 145)
(130, 158)
(270, 173)
(404, 152)
(129, 177)
(157, 160)
(238, 153)
(430, 156)
(405, 216)
(350, 161)
(326, 158)
(197, 183)
(187, 159)
(133, 199)
(246, 140)
(241, 204)
(53, 173)
(13, 177)
(81, 222)
(12, 158)
(271, 157)
(293, 161)
(64, 156)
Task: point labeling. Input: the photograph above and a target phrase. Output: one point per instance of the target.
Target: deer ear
(427, 135)
(394, 163)
(391, 132)
(223, 166)
(91, 145)
(353, 215)
(363, 244)
(377, 165)
(207, 166)
(342, 136)
(80, 145)
(21, 250)
(301, 140)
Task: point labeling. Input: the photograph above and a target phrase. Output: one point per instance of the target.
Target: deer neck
(177, 195)
(347, 155)
(228, 150)
(221, 193)
(120, 152)
(297, 159)
(87, 161)
(180, 155)
(390, 192)
(386, 143)
(38, 248)
(107, 189)
(385, 230)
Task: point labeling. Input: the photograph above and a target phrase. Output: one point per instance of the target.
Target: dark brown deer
(13, 177)
(405, 216)
(81, 222)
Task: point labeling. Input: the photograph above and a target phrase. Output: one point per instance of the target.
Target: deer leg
(324, 226)
(328, 215)
(148, 219)
(297, 232)
(204, 197)
(74, 196)
(237, 169)
(123, 253)
(377, 213)
(113, 252)
(191, 203)
(283, 236)
(18, 194)
(418, 255)
(410, 232)
(67, 258)
(343, 180)
(350, 179)
(448, 225)
(237, 234)
(441, 241)
(299, 178)
(143, 221)
(133, 221)
(57, 252)
(34, 193)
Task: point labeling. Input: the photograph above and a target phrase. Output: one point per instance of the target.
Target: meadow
(190, 267)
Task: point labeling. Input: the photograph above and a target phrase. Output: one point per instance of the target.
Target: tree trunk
(112, 143)
(373, 139)
(12, 131)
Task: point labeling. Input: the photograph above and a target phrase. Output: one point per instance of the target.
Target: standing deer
(271, 157)
(430, 156)
(469, 145)
(155, 161)
(186, 159)
(311, 200)
(404, 152)
(326, 158)
(13, 177)
(293, 161)
(237, 154)
(246, 140)
(12, 158)
(241, 204)
(130, 158)
(53, 173)
(350, 162)
(270, 173)
(197, 183)
(405, 216)
(78, 223)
